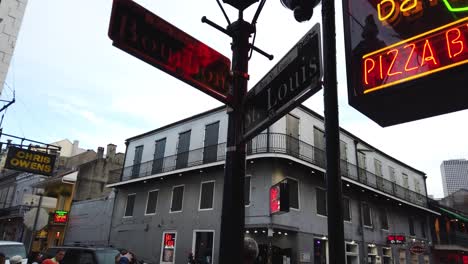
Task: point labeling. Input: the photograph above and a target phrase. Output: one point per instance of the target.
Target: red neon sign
(396, 239)
(60, 217)
(436, 50)
(169, 240)
(275, 199)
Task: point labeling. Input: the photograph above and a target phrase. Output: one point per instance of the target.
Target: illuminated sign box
(60, 217)
(396, 239)
(279, 198)
(30, 161)
(406, 59)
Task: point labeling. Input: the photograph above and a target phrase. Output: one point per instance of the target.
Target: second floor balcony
(264, 144)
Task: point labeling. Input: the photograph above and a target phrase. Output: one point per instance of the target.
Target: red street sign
(150, 38)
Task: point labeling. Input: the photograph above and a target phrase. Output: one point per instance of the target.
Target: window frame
(370, 215)
(250, 189)
(349, 210)
(316, 201)
(411, 227)
(162, 246)
(200, 196)
(172, 199)
(383, 210)
(126, 204)
(194, 240)
(351, 253)
(298, 195)
(147, 201)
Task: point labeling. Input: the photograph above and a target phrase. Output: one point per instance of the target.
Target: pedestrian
(58, 257)
(191, 260)
(16, 259)
(125, 257)
(250, 250)
(2, 258)
(37, 259)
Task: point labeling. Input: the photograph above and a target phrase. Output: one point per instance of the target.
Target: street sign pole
(232, 217)
(333, 177)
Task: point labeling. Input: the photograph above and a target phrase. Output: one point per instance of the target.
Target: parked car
(13, 248)
(84, 255)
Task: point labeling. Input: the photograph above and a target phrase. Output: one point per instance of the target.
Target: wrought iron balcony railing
(269, 143)
(453, 238)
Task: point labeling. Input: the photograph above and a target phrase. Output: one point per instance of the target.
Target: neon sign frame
(437, 32)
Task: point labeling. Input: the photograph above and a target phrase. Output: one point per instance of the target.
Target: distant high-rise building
(454, 175)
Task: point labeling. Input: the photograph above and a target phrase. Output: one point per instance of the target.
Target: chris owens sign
(30, 161)
(406, 59)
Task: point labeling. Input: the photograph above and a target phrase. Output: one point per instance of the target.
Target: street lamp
(240, 4)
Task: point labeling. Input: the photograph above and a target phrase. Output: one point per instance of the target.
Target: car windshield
(106, 256)
(13, 250)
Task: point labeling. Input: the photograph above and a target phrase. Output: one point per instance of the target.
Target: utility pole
(332, 132)
(35, 223)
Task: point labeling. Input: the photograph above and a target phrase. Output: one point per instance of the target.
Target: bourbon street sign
(148, 37)
(295, 78)
(30, 161)
(406, 59)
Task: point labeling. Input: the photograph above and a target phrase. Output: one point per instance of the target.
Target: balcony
(453, 238)
(268, 143)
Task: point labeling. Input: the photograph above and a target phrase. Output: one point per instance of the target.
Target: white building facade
(11, 15)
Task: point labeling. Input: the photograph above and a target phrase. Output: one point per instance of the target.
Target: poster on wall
(168, 248)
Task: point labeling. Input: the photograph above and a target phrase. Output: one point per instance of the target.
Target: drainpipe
(361, 222)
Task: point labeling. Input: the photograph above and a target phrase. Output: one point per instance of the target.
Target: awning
(457, 216)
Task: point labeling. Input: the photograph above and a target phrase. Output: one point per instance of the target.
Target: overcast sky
(72, 83)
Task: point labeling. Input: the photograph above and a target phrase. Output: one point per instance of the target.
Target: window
(129, 205)
(168, 247)
(402, 255)
(411, 226)
(247, 190)
(158, 159)
(378, 173)
(391, 172)
(417, 187)
(405, 180)
(86, 257)
(137, 161)
(203, 246)
(321, 202)
(293, 193)
(177, 198)
(151, 202)
(346, 210)
(423, 229)
(387, 255)
(371, 253)
(210, 151)
(367, 214)
(319, 146)
(183, 150)
(352, 253)
(362, 174)
(383, 218)
(206, 195)
(343, 158)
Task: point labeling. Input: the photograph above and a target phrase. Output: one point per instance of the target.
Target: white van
(13, 248)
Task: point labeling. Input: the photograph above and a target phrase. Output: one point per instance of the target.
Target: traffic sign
(295, 78)
(148, 37)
